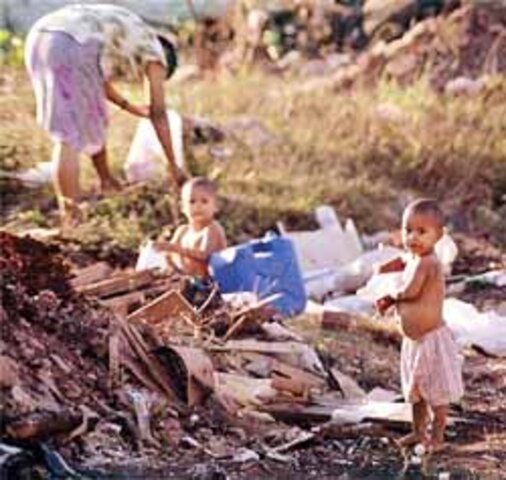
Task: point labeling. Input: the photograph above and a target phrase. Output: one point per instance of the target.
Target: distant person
(193, 243)
(72, 56)
(430, 367)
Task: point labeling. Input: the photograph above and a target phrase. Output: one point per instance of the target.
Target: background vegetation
(326, 147)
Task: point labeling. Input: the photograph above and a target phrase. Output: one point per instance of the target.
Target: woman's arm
(115, 97)
(155, 74)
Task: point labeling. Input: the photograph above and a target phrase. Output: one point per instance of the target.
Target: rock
(9, 372)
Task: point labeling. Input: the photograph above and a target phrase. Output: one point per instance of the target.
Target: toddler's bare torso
(424, 313)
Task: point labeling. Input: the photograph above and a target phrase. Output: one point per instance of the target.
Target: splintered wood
(162, 344)
(123, 282)
(165, 311)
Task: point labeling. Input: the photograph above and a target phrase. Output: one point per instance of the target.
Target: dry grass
(337, 148)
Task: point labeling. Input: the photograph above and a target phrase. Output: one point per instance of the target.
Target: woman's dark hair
(170, 55)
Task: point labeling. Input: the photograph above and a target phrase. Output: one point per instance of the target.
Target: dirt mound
(53, 341)
(468, 43)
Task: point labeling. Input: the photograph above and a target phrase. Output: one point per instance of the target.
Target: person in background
(192, 244)
(73, 55)
(430, 366)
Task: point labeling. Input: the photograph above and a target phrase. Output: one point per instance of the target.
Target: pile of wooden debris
(107, 364)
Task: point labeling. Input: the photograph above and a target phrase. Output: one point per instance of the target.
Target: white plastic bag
(471, 327)
(150, 258)
(141, 164)
(446, 251)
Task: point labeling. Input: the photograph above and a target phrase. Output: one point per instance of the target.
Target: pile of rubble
(454, 51)
(106, 365)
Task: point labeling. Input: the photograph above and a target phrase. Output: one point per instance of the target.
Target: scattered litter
(37, 176)
(446, 250)
(464, 86)
(470, 327)
(150, 258)
(244, 455)
(497, 278)
(140, 165)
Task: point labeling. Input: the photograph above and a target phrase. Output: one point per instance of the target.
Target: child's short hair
(429, 207)
(200, 182)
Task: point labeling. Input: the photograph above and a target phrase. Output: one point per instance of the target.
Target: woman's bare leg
(66, 180)
(107, 181)
(420, 417)
(439, 427)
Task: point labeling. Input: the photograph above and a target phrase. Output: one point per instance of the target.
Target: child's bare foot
(409, 440)
(435, 446)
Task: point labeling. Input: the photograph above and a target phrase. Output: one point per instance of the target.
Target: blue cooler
(265, 267)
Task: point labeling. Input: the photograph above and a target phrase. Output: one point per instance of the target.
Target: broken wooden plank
(342, 412)
(43, 425)
(122, 303)
(114, 359)
(336, 431)
(151, 363)
(302, 439)
(252, 345)
(124, 282)
(92, 274)
(171, 305)
(297, 354)
(196, 368)
(292, 412)
(348, 386)
(137, 370)
(292, 385)
(258, 306)
(235, 327)
(275, 366)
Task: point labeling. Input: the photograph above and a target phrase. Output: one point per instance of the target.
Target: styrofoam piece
(350, 304)
(323, 248)
(354, 243)
(141, 164)
(327, 218)
(150, 258)
(380, 285)
(363, 267)
(446, 250)
(376, 239)
(319, 282)
(470, 327)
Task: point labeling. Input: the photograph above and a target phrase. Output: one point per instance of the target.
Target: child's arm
(164, 246)
(413, 286)
(214, 240)
(410, 290)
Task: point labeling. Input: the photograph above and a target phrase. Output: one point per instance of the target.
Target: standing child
(192, 244)
(430, 367)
